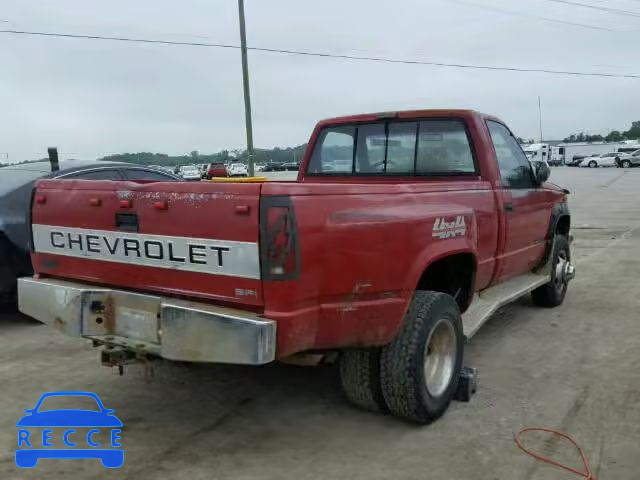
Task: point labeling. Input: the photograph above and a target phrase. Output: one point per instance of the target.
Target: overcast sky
(92, 98)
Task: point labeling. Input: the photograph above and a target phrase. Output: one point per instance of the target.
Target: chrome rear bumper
(149, 324)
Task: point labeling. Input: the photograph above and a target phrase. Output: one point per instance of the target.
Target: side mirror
(541, 172)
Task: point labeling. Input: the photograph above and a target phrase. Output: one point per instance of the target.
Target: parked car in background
(603, 160)
(259, 167)
(216, 170)
(627, 160)
(189, 172)
(237, 170)
(273, 167)
(291, 166)
(575, 161)
(16, 185)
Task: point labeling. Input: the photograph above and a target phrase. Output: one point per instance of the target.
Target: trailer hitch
(114, 356)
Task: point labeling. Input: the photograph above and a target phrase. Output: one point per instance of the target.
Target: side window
(443, 147)
(106, 174)
(515, 169)
(139, 174)
(333, 152)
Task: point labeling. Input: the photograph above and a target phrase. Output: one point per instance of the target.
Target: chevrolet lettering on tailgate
(233, 258)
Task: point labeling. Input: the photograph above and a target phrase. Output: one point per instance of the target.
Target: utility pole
(540, 117)
(245, 82)
(53, 158)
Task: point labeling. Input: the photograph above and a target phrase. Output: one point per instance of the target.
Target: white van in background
(537, 152)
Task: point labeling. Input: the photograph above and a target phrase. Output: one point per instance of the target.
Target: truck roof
(406, 114)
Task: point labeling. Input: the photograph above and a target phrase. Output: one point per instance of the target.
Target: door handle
(508, 207)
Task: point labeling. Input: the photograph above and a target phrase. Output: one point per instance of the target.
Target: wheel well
(454, 275)
(564, 225)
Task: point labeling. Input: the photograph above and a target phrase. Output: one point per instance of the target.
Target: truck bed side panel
(363, 249)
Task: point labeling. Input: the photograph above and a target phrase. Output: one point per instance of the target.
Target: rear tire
(552, 294)
(420, 368)
(360, 378)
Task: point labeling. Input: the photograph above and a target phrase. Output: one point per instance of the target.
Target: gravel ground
(573, 368)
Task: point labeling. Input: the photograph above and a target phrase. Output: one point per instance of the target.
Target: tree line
(613, 136)
(261, 155)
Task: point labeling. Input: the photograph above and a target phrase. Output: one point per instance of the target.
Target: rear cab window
(428, 147)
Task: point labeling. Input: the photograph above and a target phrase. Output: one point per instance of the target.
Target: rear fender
(437, 248)
(432, 253)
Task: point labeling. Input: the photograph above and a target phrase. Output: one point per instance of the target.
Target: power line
(613, 11)
(325, 55)
(529, 15)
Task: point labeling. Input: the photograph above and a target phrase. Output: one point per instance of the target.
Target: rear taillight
(279, 247)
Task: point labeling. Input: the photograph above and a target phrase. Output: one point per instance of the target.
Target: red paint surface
(364, 241)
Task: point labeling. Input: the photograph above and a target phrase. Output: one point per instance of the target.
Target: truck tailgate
(176, 238)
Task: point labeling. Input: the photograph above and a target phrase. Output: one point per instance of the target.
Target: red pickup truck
(403, 233)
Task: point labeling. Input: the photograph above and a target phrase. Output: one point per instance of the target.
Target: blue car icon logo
(38, 428)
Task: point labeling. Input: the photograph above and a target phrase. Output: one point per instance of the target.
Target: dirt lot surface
(576, 368)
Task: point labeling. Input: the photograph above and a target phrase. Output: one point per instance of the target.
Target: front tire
(593, 164)
(626, 164)
(552, 294)
(420, 368)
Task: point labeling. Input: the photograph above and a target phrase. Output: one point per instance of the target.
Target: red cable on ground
(587, 474)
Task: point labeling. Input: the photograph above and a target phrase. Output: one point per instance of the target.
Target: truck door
(527, 208)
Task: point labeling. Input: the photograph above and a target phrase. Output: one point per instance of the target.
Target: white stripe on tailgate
(219, 257)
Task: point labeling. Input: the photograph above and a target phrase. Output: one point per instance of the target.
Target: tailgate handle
(127, 222)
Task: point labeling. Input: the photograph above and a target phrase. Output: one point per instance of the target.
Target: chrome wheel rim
(559, 280)
(439, 357)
